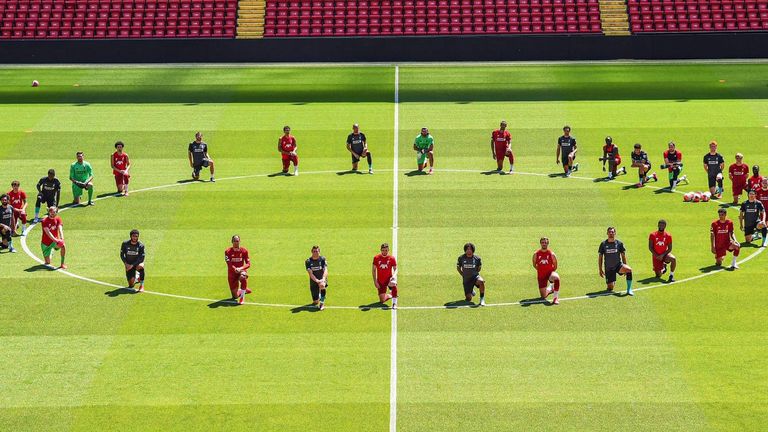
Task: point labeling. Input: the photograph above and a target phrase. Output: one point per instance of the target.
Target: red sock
(736, 252)
(557, 285)
(394, 292)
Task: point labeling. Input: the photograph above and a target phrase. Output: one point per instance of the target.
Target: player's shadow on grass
(601, 180)
(227, 302)
(38, 267)
(460, 304)
(711, 268)
(186, 181)
(279, 174)
(650, 280)
(664, 190)
(109, 194)
(374, 305)
(492, 172)
(604, 293)
(306, 308)
(534, 301)
(415, 173)
(120, 291)
(630, 186)
(557, 174)
(341, 173)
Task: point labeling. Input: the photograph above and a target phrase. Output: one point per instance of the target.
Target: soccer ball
(706, 196)
(35, 83)
(696, 197)
(243, 275)
(688, 197)
(719, 176)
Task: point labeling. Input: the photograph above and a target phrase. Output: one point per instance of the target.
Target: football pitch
(78, 351)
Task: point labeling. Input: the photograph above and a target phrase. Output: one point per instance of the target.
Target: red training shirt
(661, 241)
(739, 173)
(384, 267)
(52, 224)
(288, 143)
(120, 161)
(722, 231)
(545, 262)
(237, 258)
(17, 199)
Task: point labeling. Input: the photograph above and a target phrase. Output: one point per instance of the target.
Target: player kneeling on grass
(358, 147)
(81, 176)
(752, 219)
(753, 183)
(643, 165)
(317, 268)
(238, 262)
(6, 224)
(501, 146)
(132, 255)
(120, 166)
(48, 192)
(199, 157)
(469, 266)
(713, 166)
(18, 200)
(723, 240)
(384, 272)
(287, 147)
(545, 263)
(660, 245)
(613, 254)
(566, 147)
(738, 173)
(53, 236)
(424, 146)
(612, 156)
(673, 161)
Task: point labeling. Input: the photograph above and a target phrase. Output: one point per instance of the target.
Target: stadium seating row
(697, 15)
(86, 19)
(430, 17)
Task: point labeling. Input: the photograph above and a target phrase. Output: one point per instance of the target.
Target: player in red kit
(286, 145)
(120, 166)
(723, 240)
(660, 245)
(738, 173)
(18, 200)
(762, 192)
(545, 263)
(753, 183)
(238, 262)
(384, 272)
(53, 236)
(501, 146)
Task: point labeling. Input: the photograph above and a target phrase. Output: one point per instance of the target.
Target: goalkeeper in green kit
(424, 146)
(81, 176)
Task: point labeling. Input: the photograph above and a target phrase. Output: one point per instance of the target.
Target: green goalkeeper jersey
(423, 142)
(80, 171)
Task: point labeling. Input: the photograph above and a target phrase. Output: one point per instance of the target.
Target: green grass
(81, 356)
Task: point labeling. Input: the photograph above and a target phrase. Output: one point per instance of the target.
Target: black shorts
(712, 178)
(750, 229)
(359, 150)
(314, 288)
(201, 165)
(6, 236)
(565, 157)
(49, 200)
(610, 273)
(470, 283)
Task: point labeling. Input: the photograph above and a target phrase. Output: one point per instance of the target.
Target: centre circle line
(29, 253)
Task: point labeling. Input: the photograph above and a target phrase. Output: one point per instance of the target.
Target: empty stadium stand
(98, 19)
(697, 15)
(306, 18)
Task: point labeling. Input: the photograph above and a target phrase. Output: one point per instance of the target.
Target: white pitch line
(29, 253)
(395, 221)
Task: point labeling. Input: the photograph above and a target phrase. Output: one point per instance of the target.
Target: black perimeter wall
(741, 45)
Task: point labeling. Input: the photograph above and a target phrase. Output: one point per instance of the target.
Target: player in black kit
(132, 255)
(317, 268)
(612, 253)
(566, 150)
(358, 147)
(643, 165)
(752, 219)
(713, 165)
(469, 266)
(199, 158)
(48, 192)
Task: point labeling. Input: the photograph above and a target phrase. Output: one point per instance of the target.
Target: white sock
(733, 262)
(394, 300)
(671, 273)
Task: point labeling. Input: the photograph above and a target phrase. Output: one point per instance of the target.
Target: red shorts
(618, 160)
(234, 283)
(287, 159)
(121, 179)
(544, 279)
(501, 151)
(20, 216)
(383, 286)
(738, 188)
(658, 264)
(722, 251)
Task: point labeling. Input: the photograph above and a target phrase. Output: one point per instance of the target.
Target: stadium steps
(614, 18)
(250, 19)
